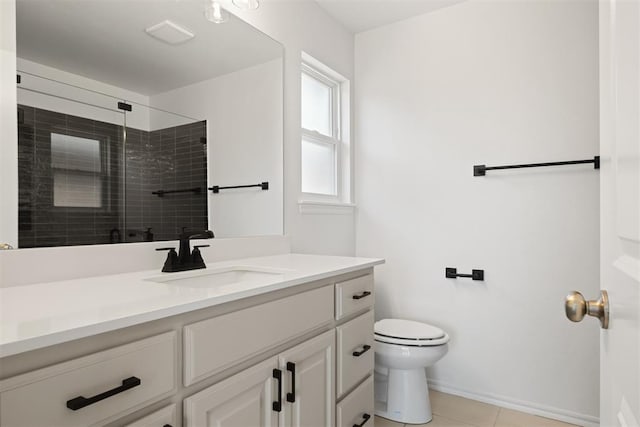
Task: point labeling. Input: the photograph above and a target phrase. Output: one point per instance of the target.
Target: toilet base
(403, 396)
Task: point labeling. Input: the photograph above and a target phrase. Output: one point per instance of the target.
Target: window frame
(335, 140)
(103, 175)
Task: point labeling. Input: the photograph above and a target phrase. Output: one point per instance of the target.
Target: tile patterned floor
(453, 411)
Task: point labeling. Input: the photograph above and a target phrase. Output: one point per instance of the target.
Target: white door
(620, 210)
(245, 399)
(309, 374)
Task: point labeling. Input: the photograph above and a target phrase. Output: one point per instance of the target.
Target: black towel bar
(480, 170)
(161, 193)
(217, 188)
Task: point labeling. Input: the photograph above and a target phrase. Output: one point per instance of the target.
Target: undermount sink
(223, 276)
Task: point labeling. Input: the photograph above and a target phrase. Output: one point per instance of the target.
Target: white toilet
(403, 349)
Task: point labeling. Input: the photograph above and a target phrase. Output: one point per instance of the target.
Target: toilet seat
(409, 333)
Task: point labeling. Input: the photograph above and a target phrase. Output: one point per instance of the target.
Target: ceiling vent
(170, 32)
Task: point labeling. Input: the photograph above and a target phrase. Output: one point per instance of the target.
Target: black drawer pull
(291, 367)
(362, 295)
(80, 402)
(167, 425)
(365, 418)
(365, 348)
(277, 406)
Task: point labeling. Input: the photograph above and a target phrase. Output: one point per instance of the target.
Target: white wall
(243, 110)
(486, 83)
(8, 126)
(302, 25)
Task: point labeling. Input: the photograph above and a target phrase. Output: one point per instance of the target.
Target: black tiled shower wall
(166, 159)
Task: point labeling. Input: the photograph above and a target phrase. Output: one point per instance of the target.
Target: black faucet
(185, 259)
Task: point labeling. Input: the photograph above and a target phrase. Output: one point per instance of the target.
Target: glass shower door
(166, 174)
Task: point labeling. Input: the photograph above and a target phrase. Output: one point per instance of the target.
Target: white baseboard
(518, 405)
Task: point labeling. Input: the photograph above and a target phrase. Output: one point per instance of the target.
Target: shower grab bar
(217, 188)
(480, 170)
(161, 193)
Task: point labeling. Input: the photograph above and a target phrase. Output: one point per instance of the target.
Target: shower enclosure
(95, 168)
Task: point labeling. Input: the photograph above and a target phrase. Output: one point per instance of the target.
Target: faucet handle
(172, 260)
(196, 256)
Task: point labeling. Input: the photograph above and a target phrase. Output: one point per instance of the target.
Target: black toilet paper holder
(452, 273)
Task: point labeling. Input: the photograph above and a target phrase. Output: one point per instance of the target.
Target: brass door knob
(576, 307)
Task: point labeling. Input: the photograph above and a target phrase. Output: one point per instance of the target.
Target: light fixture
(215, 13)
(246, 4)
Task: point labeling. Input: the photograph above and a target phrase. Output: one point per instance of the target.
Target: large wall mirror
(139, 119)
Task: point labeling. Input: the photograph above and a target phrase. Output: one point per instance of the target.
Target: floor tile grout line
(497, 416)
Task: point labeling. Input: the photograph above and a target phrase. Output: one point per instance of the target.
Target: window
(324, 142)
(77, 171)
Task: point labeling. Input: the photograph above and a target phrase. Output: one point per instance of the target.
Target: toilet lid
(407, 330)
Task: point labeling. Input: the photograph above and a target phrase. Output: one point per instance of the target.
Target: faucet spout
(184, 251)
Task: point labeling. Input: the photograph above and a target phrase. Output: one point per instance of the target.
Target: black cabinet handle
(80, 402)
(291, 367)
(362, 295)
(167, 425)
(365, 418)
(277, 405)
(365, 348)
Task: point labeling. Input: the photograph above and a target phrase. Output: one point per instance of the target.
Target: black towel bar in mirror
(161, 193)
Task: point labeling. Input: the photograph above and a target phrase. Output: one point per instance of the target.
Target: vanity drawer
(107, 380)
(355, 351)
(220, 342)
(354, 295)
(357, 407)
(164, 417)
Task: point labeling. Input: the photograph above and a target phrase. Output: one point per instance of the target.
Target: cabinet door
(161, 418)
(245, 399)
(309, 374)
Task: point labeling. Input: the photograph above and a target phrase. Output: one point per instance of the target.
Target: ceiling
(106, 41)
(363, 15)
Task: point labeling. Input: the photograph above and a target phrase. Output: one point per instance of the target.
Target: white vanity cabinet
(355, 351)
(245, 399)
(165, 417)
(293, 389)
(293, 357)
(309, 396)
(217, 343)
(92, 390)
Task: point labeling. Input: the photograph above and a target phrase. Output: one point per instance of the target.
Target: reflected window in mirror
(78, 171)
(325, 172)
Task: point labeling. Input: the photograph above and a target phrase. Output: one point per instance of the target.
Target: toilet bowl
(403, 349)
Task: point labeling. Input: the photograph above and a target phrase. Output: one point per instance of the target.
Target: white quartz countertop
(39, 315)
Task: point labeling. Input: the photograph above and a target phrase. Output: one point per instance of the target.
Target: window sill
(325, 208)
